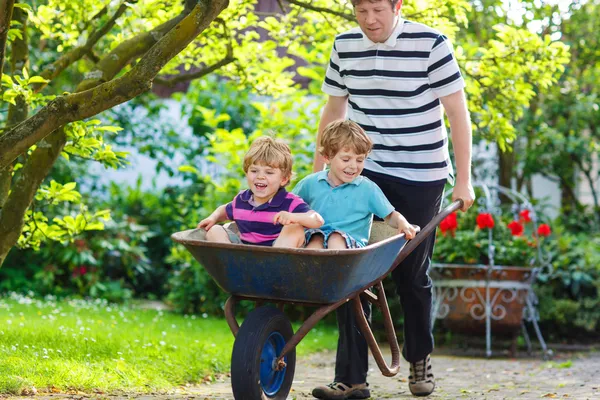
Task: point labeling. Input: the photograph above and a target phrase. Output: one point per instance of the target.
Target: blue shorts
(351, 243)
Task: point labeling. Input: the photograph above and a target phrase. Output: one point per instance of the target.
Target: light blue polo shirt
(348, 207)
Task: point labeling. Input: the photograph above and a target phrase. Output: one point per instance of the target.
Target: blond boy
(265, 214)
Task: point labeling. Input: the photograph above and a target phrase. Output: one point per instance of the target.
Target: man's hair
(344, 134)
(272, 152)
(392, 2)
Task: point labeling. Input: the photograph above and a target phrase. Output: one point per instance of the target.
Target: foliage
(561, 130)
(76, 220)
(569, 300)
(107, 348)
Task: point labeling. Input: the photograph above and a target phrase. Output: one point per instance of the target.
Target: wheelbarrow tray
(291, 275)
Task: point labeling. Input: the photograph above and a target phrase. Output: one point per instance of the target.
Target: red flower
(79, 271)
(525, 218)
(485, 220)
(516, 228)
(449, 223)
(544, 230)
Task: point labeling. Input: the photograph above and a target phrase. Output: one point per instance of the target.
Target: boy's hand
(284, 218)
(409, 231)
(405, 227)
(207, 223)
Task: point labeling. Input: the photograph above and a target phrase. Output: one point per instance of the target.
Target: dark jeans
(418, 204)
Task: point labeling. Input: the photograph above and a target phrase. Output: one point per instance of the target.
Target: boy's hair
(392, 2)
(342, 134)
(272, 152)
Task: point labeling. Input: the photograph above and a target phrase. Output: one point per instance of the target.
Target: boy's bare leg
(217, 234)
(291, 236)
(336, 241)
(316, 242)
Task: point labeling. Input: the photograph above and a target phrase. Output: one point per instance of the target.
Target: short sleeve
(334, 83)
(229, 210)
(300, 206)
(378, 203)
(442, 69)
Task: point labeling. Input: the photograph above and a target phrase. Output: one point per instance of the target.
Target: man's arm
(334, 109)
(460, 127)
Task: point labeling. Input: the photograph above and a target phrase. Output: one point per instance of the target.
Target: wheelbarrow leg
(230, 315)
(389, 330)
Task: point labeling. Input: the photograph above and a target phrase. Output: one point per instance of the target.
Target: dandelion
(164, 333)
(162, 343)
(205, 315)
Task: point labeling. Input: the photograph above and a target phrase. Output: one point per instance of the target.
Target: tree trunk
(506, 161)
(16, 114)
(6, 11)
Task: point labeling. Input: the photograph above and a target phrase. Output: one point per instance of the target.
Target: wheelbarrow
(263, 359)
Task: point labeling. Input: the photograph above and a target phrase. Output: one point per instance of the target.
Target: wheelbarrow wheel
(258, 343)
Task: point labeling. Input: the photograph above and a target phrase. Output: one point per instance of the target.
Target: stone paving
(568, 375)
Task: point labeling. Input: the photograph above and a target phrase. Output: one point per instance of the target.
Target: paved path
(574, 376)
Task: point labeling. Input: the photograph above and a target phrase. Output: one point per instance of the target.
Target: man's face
(376, 19)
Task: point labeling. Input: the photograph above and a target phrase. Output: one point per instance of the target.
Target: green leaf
(7, 80)
(188, 168)
(37, 79)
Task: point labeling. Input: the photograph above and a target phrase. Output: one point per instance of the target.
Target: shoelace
(419, 370)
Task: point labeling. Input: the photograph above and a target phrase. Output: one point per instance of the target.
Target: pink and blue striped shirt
(256, 223)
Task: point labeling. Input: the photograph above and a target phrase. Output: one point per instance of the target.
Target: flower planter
(465, 292)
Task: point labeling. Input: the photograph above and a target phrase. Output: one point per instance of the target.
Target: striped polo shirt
(393, 91)
(256, 223)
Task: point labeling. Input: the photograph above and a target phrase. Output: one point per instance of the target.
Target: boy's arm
(310, 219)
(397, 220)
(219, 215)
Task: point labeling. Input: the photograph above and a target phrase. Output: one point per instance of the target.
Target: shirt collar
(391, 41)
(324, 176)
(276, 201)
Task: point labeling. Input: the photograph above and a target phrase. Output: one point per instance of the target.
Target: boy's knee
(291, 236)
(215, 233)
(336, 241)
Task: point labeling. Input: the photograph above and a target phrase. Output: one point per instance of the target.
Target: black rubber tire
(246, 356)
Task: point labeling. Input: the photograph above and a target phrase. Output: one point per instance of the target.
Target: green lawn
(95, 346)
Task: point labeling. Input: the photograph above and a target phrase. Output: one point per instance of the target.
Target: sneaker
(421, 381)
(340, 391)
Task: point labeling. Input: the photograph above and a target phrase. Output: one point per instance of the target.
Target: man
(392, 77)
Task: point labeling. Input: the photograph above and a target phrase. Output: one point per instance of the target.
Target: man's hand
(285, 218)
(207, 223)
(464, 191)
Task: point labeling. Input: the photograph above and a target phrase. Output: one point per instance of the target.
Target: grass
(93, 346)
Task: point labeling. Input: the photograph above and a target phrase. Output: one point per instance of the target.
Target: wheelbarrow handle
(427, 230)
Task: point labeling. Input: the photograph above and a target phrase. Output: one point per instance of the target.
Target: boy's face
(376, 19)
(345, 166)
(264, 181)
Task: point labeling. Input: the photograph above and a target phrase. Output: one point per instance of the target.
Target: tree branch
(308, 6)
(6, 10)
(73, 55)
(195, 75)
(229, 58)
(110, 65)
(78, 106)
